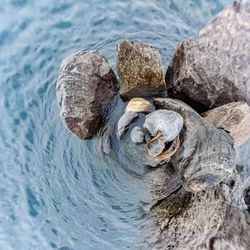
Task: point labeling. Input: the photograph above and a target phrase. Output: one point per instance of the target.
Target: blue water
(57, 192)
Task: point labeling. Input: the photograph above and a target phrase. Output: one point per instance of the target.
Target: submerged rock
(137, 135)
(85, 85)
(213, 68)
(138, 104)
(139, 69)
(125, 121)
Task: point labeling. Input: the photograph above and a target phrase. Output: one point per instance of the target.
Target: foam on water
(56, 191)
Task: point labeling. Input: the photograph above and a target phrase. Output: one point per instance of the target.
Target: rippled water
(56, 191)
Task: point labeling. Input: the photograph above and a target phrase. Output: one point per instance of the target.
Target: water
(56, 191)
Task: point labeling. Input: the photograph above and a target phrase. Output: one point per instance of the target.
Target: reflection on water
(56, 191)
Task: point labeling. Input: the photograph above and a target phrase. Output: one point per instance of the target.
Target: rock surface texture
(206, 155)
(139, 69)
(233, 117)
(213, 68)
(85, 85)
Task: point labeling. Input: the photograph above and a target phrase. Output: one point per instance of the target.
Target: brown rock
(85, 85)
(213, 68)
(233, 117)
(139, 68)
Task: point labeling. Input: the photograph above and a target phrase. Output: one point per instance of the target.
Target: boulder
(213, 68)
(233, 117)
(85, 85)
(206, 155)
(139, 69)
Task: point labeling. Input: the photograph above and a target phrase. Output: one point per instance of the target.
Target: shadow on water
(56, 191)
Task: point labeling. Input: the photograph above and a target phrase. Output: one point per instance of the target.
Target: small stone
(156, 147)
(167, 123)
(85, 85)
(139, 69)
(125, 121)
(138, 104)
(137, 135)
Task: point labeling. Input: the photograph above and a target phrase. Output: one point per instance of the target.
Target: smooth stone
(137, 135)
(156, 147)
(213, 68)
(125, 121)
(139, 69)
(85, 85)
(233, 117)
(166, 122)
(138, 104)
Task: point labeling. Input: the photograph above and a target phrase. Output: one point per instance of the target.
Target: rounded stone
(138, 104)
(137, 135)
(167, 123)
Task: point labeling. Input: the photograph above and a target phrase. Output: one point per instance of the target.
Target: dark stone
(85, 85)
(139, 69)
(213, 68)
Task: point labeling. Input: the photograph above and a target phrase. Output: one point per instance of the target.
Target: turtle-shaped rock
(187, 146)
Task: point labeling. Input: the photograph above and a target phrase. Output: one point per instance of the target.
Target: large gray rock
(213, 68)
(85, 85)
(139, 68)
(206, 155)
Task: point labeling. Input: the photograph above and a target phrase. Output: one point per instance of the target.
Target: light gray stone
(137, 135)
(125, 121)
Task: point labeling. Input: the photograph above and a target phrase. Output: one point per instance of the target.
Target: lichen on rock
(139, 69)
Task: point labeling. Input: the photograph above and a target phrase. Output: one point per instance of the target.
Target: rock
(138, 104)
(206, 155)
(139, 69)
(233, 117)
(213, 68)
(156, 147)
(125, 121)
(162, 182)
(184, 220)
(137, 135)
(164, 123)
(85, 85)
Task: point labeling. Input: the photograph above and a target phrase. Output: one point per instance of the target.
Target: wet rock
(165, 124)
(233, 117)
(125, 121)
(156, 147)
(206, 155)
(138, 104)
(139, 69)
(137, 135)
(213, 68)
(85, 85)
